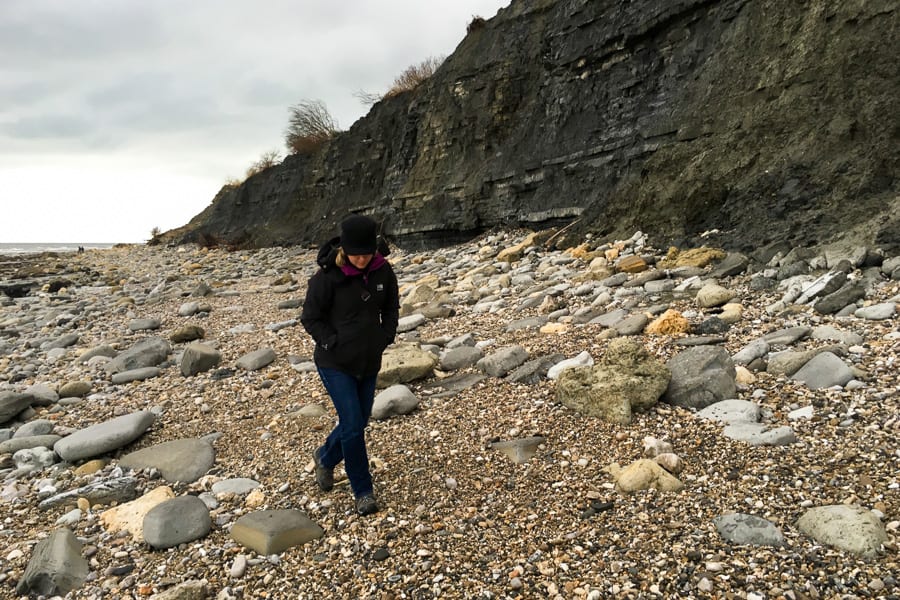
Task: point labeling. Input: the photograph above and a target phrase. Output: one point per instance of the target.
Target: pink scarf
(376, 263)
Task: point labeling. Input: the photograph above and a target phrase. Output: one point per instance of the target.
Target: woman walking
(351, 310)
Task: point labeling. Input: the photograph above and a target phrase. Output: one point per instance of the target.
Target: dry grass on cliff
(414, 75)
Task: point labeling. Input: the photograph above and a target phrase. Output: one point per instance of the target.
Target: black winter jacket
(352, 318)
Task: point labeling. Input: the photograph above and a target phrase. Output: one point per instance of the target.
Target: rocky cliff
(763, 119)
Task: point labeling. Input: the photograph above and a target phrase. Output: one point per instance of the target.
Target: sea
(37, 248)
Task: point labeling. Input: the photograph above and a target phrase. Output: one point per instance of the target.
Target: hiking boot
(324, 475)
(366, 505)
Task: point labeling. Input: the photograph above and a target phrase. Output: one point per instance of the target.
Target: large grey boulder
(176, 521)
(402, 363)
(835, 301)
(701, 376)
(12, 403)
(104, 437)
(63, 341)
(503, 361)
(273, 531)
(824, 370)
(847, 527)
(198, 358)
(626, 380)
(395, 400)
(460, 358)
(149, 352)
(56, 566)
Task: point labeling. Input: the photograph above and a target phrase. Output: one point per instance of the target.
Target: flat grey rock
(526, 324)
(102, 350)
(759, 434)
(104, 491)
(807, 412)
(454, 384)
(257, 359)
(410, 322)
(632, 325)
(534, 370)
(238, 485)
(756, 349)
(459, 357)
(281, 325)
(64, 341)
(700, 340)
(786, 337)
(744, 529)
(732, 411)
(877, 312)
(43, 394)
(189, 309)
(34, 427)
(611, 318)
(658, 286)
(104, 437)
(35, 441)
(136, 375)
(185, 460)
(833, 334)
(290, 304)
(144, 324)
(845, 296)
(149, 352)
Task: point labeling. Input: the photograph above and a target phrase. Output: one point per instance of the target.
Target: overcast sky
(118, 116)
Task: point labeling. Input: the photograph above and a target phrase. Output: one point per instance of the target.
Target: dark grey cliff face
(767, 120)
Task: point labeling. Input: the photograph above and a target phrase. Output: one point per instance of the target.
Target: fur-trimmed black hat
(358, 235)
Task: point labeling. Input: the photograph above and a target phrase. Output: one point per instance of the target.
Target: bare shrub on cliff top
(414, 75)
(266, 160)
(309, 126)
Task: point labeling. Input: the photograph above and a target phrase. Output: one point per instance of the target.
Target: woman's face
(360, 261)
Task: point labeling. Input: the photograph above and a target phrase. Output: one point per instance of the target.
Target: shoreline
(460, 518)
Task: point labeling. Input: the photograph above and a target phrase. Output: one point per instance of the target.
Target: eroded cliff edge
(766, 120)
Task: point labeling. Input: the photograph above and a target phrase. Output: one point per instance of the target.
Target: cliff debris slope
(767, 121)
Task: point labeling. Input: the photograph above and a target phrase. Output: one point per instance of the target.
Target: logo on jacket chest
(379, 287)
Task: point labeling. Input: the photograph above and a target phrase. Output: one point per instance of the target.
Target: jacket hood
(328, 252)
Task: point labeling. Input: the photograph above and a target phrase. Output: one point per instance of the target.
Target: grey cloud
(38, 30)
(54, 126)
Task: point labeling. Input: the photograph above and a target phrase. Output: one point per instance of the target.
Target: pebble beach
(609, 420)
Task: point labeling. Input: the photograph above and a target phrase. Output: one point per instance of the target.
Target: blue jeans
(353, 399)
